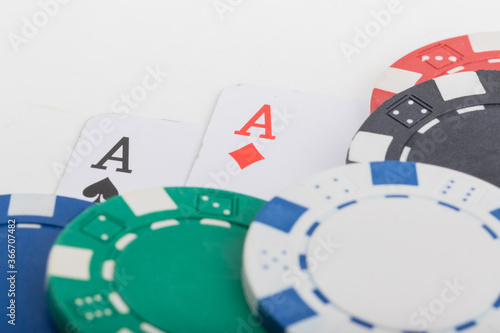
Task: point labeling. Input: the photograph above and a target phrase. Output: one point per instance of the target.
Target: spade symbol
(103, 188)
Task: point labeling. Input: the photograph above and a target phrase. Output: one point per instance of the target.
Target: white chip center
(408, 264)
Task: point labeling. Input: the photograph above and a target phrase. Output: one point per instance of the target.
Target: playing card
(118, 153)
(261, 140)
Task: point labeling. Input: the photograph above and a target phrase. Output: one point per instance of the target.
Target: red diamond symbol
(246, 155)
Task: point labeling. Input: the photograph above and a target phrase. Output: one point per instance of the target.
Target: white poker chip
(380, 247)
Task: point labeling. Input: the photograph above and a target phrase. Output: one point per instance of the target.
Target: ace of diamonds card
(261, 140)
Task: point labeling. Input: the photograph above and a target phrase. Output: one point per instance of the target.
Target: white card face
(118, 153)
(261, 140)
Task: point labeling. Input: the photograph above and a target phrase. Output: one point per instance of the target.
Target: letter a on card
(267, 125)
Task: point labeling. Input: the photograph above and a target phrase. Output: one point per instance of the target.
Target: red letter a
(267, 126)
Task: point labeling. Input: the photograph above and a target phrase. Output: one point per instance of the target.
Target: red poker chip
(479, 51)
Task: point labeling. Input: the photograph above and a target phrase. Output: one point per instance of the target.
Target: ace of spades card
(261, 139)
(117, 153)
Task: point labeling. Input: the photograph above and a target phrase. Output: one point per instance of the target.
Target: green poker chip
(159, 260)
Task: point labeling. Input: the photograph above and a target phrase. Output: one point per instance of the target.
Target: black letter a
(109, 156)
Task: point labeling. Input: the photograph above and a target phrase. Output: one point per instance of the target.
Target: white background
(92, 51)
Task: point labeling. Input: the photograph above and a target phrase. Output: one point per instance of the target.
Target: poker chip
(29, 225)
(451, 121)
(379, 247)
(158, 260)
(479, 51)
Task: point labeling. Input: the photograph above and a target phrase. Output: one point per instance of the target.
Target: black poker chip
(451, 121)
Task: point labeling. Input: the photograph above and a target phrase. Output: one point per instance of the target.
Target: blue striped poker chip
(38, 219)
(377, 247)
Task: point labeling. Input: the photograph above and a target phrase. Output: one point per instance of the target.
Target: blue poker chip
(38, 219)
(380, 247)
